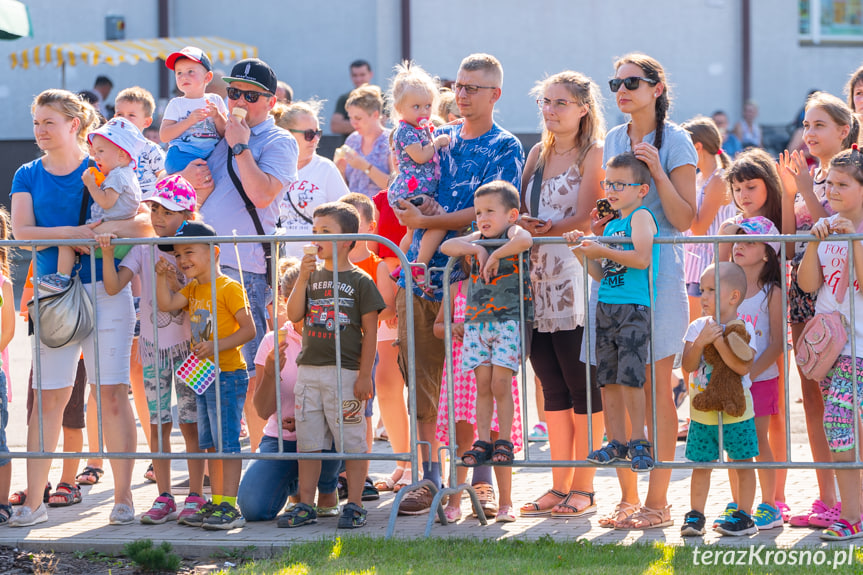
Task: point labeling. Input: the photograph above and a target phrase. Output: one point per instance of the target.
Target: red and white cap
(191, 53)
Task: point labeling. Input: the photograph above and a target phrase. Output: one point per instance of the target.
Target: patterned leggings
(838, 394)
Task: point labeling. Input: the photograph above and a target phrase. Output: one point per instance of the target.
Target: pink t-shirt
(287, 380)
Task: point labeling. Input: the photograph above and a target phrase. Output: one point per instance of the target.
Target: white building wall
(310, 44)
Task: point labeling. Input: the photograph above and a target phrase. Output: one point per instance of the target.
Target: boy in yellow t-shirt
(234, 327)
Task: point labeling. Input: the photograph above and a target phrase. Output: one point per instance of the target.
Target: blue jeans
(234, 385)
(267, 483)
(260, 295)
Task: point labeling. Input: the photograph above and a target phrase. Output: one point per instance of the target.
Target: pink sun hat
(174, 193)
(758, 226)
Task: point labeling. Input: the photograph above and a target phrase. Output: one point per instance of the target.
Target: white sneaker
(25, 517)
(122, 514)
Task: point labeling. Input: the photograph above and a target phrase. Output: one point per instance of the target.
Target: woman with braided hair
(641, 91)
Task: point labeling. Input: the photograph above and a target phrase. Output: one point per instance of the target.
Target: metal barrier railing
(411, 456)
(529, 462)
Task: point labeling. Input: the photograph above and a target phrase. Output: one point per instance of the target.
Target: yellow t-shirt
(230, 298)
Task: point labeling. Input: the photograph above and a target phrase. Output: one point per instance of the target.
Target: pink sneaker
(802, 520)
(164, 509)
(827, 518)
(784, 510)
(190, 506)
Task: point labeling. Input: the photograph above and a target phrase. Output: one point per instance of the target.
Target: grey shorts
(159, 380)
(622, 344)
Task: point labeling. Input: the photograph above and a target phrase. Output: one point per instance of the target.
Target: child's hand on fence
(203, 349)
(821, 229)
(104, 241)
(840, 225)
(163, 268)
(363, 387)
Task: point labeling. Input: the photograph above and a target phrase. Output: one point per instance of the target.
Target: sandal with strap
(533, 509)
(647, 518)
(300, 514)
(70, 494)
(406, 479)
(20, 497)
(639, 453)
(150, 474)
(572, 510)
(609, 453)
(503, 452)
(5, 513)
(479, 453)
(388, 483)
(622, 511)
(86, 477)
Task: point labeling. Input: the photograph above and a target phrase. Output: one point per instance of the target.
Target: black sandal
(503, 448)
(480, 452)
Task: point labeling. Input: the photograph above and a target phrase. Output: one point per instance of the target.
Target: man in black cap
(239, 185)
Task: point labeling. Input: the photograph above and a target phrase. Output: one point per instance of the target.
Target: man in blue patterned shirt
(480, 151)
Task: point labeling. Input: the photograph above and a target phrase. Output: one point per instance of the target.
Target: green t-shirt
(358, 295)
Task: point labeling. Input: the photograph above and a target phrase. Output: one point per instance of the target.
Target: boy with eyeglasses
(623, 311)
(194, 123)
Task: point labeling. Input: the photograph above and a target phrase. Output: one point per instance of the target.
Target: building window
(830, 20)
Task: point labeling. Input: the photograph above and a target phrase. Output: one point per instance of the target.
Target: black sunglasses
(631, 83)
(251, 96)
(309, 135)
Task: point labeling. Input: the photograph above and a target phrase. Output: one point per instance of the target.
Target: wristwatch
(368, 170)
(238, 149)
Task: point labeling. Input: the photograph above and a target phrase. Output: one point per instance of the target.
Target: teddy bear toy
(725, 390)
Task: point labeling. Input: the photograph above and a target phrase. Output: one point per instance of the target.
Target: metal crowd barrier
(225, 241)
(530, 462)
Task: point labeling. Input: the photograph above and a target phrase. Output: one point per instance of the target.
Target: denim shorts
(267, 483)
(4, 418)
(234, 385)
(259, 294)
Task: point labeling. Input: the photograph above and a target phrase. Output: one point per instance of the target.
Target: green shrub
(152, 559)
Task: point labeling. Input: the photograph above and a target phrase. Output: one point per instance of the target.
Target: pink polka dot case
(199, 374)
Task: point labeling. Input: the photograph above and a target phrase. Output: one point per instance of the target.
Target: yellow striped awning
(129, 51)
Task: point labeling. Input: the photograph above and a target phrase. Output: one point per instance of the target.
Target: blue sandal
(609, 453)
(480, 453)
(300, 514)
(639, 453)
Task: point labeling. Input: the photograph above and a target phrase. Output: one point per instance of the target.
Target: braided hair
(652, 70)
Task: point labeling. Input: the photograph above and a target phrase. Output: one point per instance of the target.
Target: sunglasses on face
(309, 135)
(251, 96)
(630, 83)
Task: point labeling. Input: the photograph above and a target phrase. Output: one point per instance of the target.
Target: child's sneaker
(225, 517)
(539, 433)
(190, 507)
(164, 509)
(353, 516)
(740, 523)
(54, 283)
(767, 517)
(784, 510)
(693, 524)
(729, 510)
(201, 515)
(842, 530)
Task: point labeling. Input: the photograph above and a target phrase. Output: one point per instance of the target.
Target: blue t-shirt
(56, 202)
(465, 165)
(620, 284)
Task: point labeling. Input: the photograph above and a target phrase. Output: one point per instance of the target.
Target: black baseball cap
(254, 71)
(190, 229)
(191, 53)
